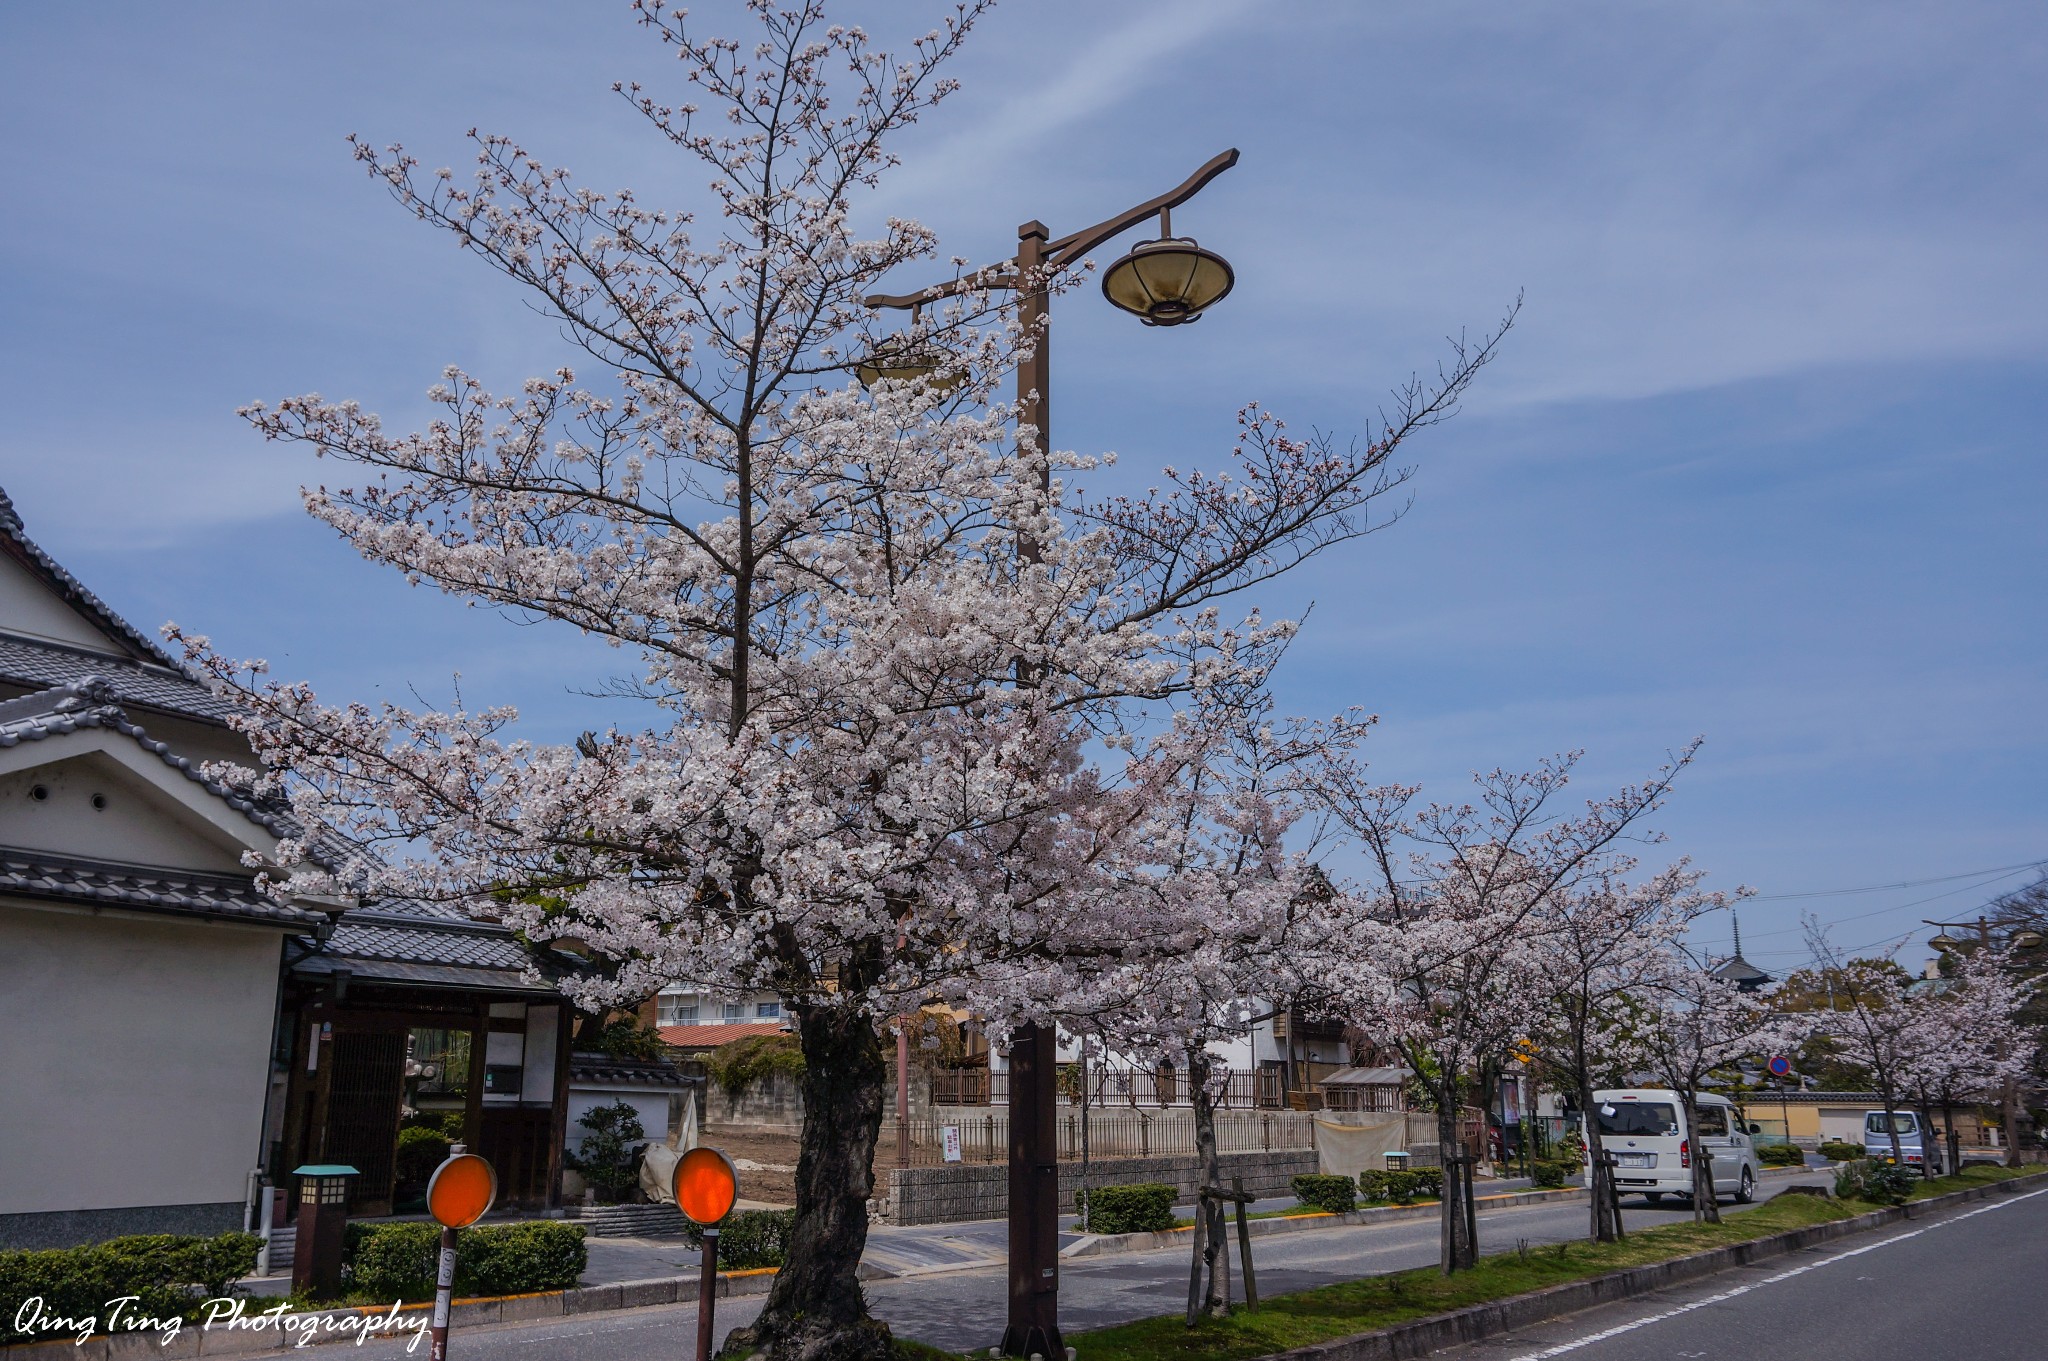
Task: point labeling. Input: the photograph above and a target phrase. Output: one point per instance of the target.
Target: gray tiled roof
(27, 661)
(88, 703)
(484, 947)
(603, 1070)
(38, 874)
(18, 545)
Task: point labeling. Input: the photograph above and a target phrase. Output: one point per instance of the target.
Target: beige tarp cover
(658, 1167)
(1359, 1145)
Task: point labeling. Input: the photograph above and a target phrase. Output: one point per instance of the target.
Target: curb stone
(1478, 1322)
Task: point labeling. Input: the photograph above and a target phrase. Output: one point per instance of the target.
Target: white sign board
(949, 1138)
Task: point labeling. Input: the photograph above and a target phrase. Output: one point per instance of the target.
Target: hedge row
(1144, 1208)
(396, 1261)
(1836, 1151)
(1781, 1155)
(170, 1275)
(1335, 1195)
(749, 1238)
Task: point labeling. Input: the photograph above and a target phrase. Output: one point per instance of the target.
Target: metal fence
(1114, 1133)
(1244, 1089)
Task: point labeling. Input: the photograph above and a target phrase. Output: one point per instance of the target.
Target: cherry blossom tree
(1603, 943)
(1238, 899)
(1689, 1024)
(900, 683)
(1868, 1021)
(1438, 951)
(1964, 1040)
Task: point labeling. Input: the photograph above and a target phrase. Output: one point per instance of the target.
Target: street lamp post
(1167, 281)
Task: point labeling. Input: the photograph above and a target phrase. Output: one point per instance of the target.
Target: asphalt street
(1964, 1287)
(963, 1310)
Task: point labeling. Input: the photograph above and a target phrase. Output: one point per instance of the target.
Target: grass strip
(1310, 1316)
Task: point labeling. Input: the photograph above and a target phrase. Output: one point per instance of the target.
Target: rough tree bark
(816, 1310)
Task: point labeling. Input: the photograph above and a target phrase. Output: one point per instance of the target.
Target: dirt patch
(766, 1162)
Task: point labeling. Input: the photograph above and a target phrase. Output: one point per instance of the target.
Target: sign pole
(444, 1293)
(707, 1294)
(460, 1192)
(706, 1188)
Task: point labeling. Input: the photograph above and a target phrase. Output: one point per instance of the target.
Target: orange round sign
(462, 1190)
(706, 1185)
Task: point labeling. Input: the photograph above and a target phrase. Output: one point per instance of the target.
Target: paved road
(965, 1309)
(1965, 1287)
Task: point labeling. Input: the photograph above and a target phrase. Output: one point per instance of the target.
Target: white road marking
(1564, 1347)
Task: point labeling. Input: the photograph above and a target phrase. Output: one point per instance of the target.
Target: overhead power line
(1904, 883)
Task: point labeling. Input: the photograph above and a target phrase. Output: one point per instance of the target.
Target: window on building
(767, 1011)
(733, 1012)
(677, 1008)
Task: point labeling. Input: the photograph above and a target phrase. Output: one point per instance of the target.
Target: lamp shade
(1167, 282)
(905, 361)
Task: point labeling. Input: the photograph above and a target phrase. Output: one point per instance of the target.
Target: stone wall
(961, 1191)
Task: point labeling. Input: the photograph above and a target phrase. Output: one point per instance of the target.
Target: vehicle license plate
(1635, 1160)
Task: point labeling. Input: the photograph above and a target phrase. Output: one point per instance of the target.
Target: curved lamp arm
(1060, 253)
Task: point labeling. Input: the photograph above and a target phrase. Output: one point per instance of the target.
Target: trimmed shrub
(1403, 1186)
(1146, 1207)
(1551, 1173)
(421, 1149)
(1337, 1195)
(1781, 1155)
(1836, 1151)
(749, 1238)
(170, 1275)
(1880, 1183)
(396, 1261)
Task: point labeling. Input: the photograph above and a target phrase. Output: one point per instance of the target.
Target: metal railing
(1243, 1089)
(984, 1135)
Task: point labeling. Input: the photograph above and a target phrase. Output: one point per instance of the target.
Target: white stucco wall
(134, 824)
(28, 607)
(133, 1056)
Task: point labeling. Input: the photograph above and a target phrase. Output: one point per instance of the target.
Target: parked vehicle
(1653, 1146)
(1878, 1144)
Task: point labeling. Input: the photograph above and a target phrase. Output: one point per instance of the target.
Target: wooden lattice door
(363, 1096)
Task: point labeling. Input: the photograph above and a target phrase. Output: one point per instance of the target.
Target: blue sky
(1762, 461)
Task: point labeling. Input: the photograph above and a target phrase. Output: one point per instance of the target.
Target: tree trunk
(816, 1310)
(1924, 1109)
(1891, 1125)
(1209, 1218)
(1706, 1207)
(1606, 1204)
(1955, 1138)
(1457, 1251)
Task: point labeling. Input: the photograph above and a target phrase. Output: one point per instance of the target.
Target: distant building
(1735, 969)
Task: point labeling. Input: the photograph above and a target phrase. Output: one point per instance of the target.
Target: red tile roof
(711, 1036)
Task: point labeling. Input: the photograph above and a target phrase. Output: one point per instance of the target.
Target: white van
(1878, 1144)
(1645, 1129)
